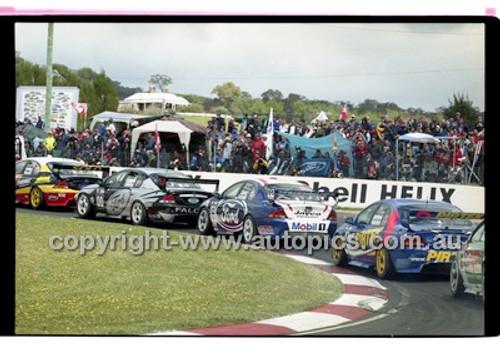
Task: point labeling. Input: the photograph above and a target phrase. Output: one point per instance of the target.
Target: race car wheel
(383, 264)
(84, 207)
(339, 256)
(36, 198)
(249, 230)
(456, 281)
(204, 223)
(138, 213)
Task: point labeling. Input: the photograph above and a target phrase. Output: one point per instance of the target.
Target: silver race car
(145, 194)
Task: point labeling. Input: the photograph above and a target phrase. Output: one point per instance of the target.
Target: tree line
(102, 93)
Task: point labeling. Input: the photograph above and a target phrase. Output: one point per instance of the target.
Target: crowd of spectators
(104, 145)
(241, 147)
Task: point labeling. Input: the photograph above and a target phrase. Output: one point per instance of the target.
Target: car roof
(165, 172)
(45, 160)
(411, 202)
(273, 180)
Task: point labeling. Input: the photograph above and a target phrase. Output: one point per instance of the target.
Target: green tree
(461, 103)
(125, 92)
(291, 103)
(104, 92)
(227, 93)
(278, 108)
(271, 95)
(160, 81)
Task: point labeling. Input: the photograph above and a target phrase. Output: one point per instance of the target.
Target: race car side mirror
(349, 220)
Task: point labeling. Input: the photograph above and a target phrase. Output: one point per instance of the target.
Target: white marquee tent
(183, 129)
(321, 117)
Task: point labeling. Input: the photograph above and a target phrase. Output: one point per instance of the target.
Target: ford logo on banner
(316, 167)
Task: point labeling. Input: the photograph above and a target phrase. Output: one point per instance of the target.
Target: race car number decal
(117, 202)
(99, 198)
(367, 238)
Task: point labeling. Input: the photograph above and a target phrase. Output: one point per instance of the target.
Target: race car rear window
(421, 217)
(292, 192)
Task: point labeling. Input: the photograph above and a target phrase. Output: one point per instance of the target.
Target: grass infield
(61, 292)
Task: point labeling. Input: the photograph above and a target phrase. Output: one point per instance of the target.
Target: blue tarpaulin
(324, 144)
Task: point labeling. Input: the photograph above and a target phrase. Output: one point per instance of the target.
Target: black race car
(146, 194)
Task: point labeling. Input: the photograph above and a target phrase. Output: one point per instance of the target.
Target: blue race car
(403, 236)
(269, 208)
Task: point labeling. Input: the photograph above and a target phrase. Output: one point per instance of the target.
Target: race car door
(365, 231)
(473, 256)
(228, 212)
(109, 197)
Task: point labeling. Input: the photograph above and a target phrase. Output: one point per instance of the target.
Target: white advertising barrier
(359, 193)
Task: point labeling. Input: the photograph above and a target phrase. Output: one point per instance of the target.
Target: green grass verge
(201, 120)
(63, 292)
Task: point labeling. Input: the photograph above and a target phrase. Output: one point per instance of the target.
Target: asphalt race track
(418, 305)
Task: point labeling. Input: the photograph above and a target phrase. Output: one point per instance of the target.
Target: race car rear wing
(56, 167)
(162, 181)
(301, 192)
(450, 215)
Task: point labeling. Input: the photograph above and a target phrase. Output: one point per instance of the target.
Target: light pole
(48, 84)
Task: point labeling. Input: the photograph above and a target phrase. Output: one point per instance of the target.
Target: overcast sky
(413, 65)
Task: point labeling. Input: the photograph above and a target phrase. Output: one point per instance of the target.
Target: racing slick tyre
(456, 281)
(138, 214)
(84, 207)
(204, 224)
(249, 230)
(339, 256)
(383, 264)
(36, 198)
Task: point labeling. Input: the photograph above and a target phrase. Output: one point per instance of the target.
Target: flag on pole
(269, 133)
(80, 107)
(157, 139)
(343, 114)
(157, 146)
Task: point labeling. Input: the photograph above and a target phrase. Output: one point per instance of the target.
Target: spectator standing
(101, 128)
(258, 148)
(227, 150)
(371, 167)
(345, 164)
(113, 146)
(40, 124)
(360, 151)
(71, 144)
(50, 143)
(387, 164)
(231, 126)
(111, 126)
